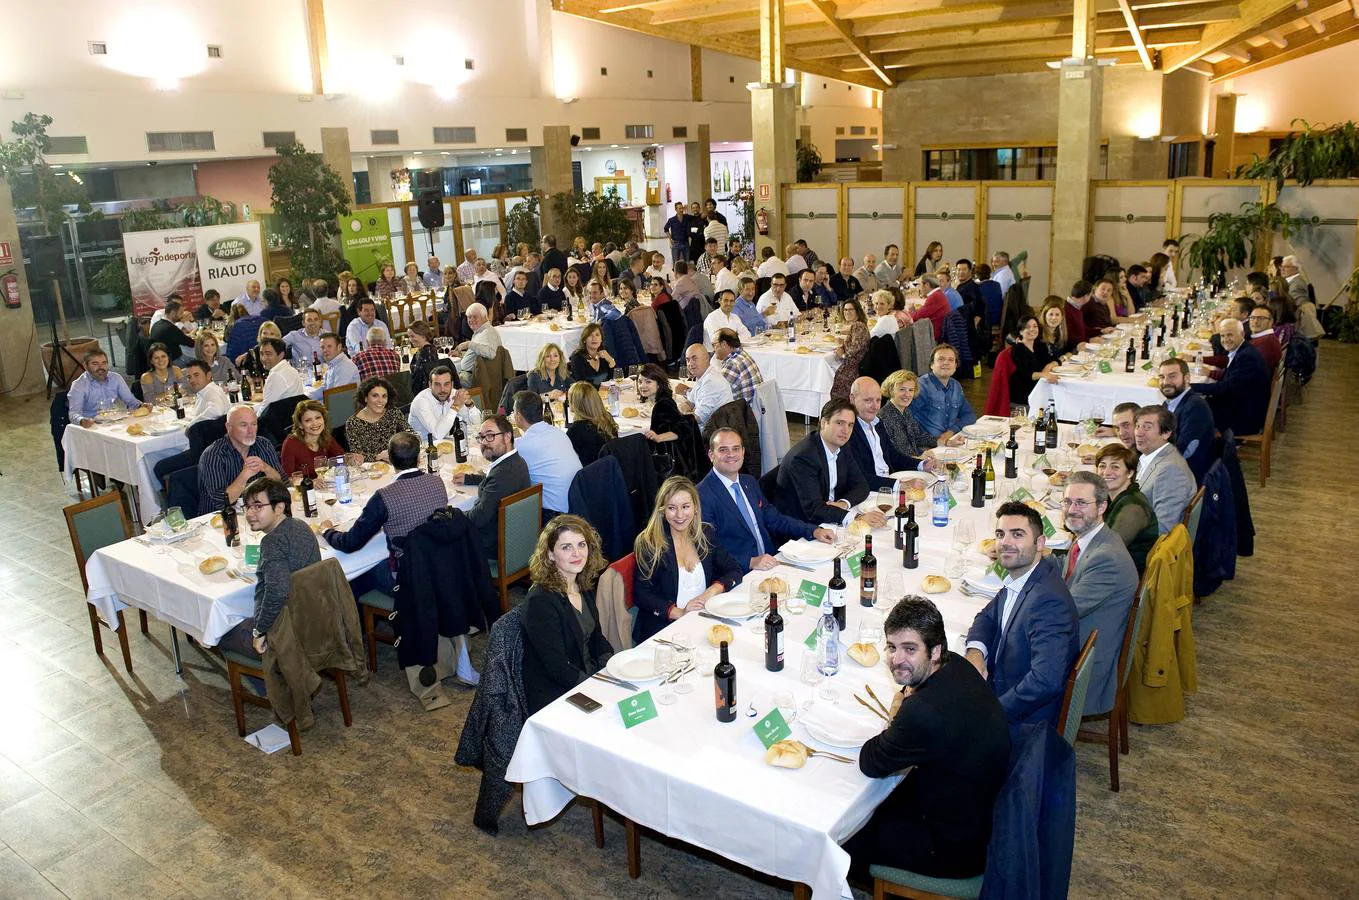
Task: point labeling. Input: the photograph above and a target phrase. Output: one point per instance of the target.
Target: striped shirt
(219, 465)
(742, 374)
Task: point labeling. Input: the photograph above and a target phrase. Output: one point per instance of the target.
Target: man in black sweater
(948, 726)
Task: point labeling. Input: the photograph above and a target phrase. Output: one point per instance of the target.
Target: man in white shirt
(1001, 273)
(888, 271)
(434, 274)
(723, 317)
(794, 261)
(323, 304)
(867, 273)
(436, 407)
(340, 369)
(484, 343)
(251, 299)
(282, 380)
(209, 400)
(710, 390)
(468, 270)
(723, 278)
(1170, 248)
(305, 342)
(770, 265)
(481, 275)
(356, 336)
(552, 461)
(776, 305)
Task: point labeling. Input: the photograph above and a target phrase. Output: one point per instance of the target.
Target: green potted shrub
(1234, 240)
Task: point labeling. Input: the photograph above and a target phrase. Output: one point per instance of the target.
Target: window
(98, 48)
(992, 164)
(516, 135)
(276, 139)
(64, 145)
(1184, 159)
(214, 51)
(680, 131)
(637, 132)
(589, 134)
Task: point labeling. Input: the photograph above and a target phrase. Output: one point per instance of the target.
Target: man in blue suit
(1194, 431)
(746, 525)
(1240, 398)
(869, 446)
(1026, 639)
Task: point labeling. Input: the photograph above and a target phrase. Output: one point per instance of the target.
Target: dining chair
(474, 397)
(331, 321)
(1115, 737)
(374, 607)
(1077, 686)
(1192, 513)
(1263, 443)
(240, 665)
(893, 882)
(92, 524)
(340, 402)
(518, 521)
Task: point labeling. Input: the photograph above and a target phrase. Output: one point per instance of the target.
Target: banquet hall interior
(163, 149)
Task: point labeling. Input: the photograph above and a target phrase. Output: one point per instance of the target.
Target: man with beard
(950, 732)
(1194, 431)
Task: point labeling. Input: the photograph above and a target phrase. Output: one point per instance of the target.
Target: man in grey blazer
(508, 474)
(1297, 282)
(1101, 577)
(1162, 474)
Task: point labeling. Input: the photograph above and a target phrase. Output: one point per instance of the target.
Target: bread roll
(1036, 507)
(212, 565)
(719, 633)
(444, 447)
(215, 521)
(804, 349)
(788, 754)
(142, 411)
(988, 547)
(1058, 479)
(464, 469)
(554, 327)
(859, 527)
(1154, 381)
(914, 492)
(1087, 452)
(936, 584)
(775, 585)
(864, 654)
(631, 412)
(135, 429)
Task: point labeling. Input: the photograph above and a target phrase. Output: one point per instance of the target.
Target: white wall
(1319, 88)
(593, 165)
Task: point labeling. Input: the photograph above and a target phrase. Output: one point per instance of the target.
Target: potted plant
(521, 222)
(808, 162)
(308, 199)
(1309, 155)
(1234, 240)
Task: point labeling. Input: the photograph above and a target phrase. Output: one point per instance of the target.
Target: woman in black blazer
(563, 645)
(591, 425)
(675, 538)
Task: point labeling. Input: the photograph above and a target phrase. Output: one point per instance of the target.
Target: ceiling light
(613, 146)
(417, 153)
(167, 84)
(443, 152)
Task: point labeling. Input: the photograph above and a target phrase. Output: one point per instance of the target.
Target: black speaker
(432, 209)
(47, 257)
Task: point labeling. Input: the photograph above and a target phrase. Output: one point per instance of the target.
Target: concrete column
(20, 362)
(1225, 148)
(1079, 96)
(773, 119)
(380, 169)
(551, 164)
(902, 153)
(1134, 158)
(335, 151)
(698, 165)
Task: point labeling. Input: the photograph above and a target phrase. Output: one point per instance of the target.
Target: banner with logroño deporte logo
(190, 261)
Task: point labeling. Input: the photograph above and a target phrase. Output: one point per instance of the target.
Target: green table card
(252, 556)
(1048, 528)
(998, 569)
(1105, 367)
(811, 640)
(772, 729)
(1020, 494)
(1146, 366)
(637, 709)
(952, 502)
(811, 592)
(1170, 354)
(1040, 462)
(853, 562)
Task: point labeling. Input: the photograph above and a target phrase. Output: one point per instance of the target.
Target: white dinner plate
(164, 427)
(833, 724)
(732, 606)
(1070, 370)
(809, 551)
(637, 664)
(983, 432)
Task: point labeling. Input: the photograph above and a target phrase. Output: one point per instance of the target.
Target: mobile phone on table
(582, 702)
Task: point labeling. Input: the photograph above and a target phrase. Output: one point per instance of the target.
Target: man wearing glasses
(1101, 576)
(508, 474)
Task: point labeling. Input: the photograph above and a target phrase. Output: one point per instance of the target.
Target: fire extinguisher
(762, 221)
(667, 192)
(11, 283)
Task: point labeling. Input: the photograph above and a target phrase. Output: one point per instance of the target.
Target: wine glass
(870, 630)
(885, 502)
(964, 533)
(665, 664)
(683, 372)
(891, 587)
(784, 703)
(809, 672)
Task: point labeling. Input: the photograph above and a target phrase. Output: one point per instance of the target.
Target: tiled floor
(137, 786)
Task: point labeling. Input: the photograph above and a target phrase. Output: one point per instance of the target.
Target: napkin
(839, 722)
(270, 738)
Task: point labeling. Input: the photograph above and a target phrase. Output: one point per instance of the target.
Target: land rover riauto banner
(189, 261)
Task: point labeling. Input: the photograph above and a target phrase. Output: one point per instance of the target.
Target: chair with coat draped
(1164, 666)
(644, 319)
(492, 374)
(905, 341)
(623, 343)
(923, 332)
(277, 420)
(774, 439)
(613, 599)
(513, 386)
(998, 396)
(633, 452)
(738, 415)
(599, 495)
(881, 359)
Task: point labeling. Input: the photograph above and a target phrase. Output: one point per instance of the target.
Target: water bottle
(344, 492)
(939, 502)
(828, 643)
(615, 399)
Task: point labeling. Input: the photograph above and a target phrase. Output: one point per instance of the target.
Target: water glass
(891, 588)
(870, 630)
(705, 660)
(810, 673)
(964, 534)
(665, 664)
(796, 604)
(785, 704)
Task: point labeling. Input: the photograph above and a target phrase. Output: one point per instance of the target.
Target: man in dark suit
(950, 732)
(1194, 431)
(747, 525)
(1025, 640)
(1240, 398)
(508, 474)
(552, 258)
(1101, 575)
(167, 331)
(818, 482)
(870, 447)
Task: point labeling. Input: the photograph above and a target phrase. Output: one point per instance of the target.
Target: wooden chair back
(340, 403)
(1077, 685)
(96, 523)
(1192, 513)
(518, 521)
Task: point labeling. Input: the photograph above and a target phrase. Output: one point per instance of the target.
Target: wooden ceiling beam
(1314, 22)
(1117, 46)
(1255, 16)
(1340, 29)
(827, 9)
(1135, 33)
(910, 43)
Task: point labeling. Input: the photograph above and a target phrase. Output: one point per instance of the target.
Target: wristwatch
(256, 634)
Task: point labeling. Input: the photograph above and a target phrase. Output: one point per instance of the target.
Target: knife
(618, 682)
(707, 615)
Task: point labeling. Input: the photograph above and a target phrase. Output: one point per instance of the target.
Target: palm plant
(1233, 240)
(1312, 154)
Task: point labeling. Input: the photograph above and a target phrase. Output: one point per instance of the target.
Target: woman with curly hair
(563, 645)
(374, 421)
(309, 438)
(850, 353)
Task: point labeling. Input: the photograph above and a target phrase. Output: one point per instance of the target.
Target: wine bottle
(308, 490)
(1051, 436)
(724, 687)
(316, 367)
(900, 513)
(178, 405)
(773, 636)
(1130, 359)
(566, 411)
(431, 455)
(1040, 433)
(459, 441)
(1012, 454)
(230, 527)
(1146, 342)
(792, 329)
(979, 484)
(990, 475)
(835, 595)
(910, 541)
(868, 574)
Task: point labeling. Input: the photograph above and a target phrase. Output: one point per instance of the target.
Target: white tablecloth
(111, 451)
(166, 582)
(1095, 395)
(804, 378)
(525, 341)
(690, 777)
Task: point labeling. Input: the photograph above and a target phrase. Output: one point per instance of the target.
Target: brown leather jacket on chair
(318, 629)
(615, 623)
(644, 317)
(492, 375)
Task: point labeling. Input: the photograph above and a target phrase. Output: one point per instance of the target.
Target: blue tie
(741, 504)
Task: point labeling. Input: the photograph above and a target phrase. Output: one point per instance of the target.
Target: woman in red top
(936, 307)
(310, 437)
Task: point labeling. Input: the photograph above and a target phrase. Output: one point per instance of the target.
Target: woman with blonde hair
(308, 439)
(342, 285)
(679, 565)
(412, 283)
(591, 425)
(563, 645)
(905, 433)
(550, 377)
(208, 349)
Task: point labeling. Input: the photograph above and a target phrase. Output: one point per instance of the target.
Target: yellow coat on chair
(1163, 667)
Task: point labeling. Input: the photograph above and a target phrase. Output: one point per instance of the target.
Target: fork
(835, 756)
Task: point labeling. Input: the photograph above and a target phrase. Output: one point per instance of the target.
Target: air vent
(399, 60)
(98, 48)
(516, 135)
(275, 139)
(589, 134)
(603, 70)
(858, 129)
(469, 64)
(68, 145)
(637, 132)
(680, 131)
(178, 141)
(214, 51)
(384, 136)
(839, 129)
(650, 73)
(460, 134)
(873, 130)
